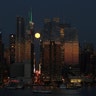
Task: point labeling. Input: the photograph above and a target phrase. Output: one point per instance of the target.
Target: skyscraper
(1, 58)
(1, 49)
(51, 59)
(20, 33)
(47, 29)
(12, 40)
(51, 29)
(69, 39)
(29, 47)
(29, 38)
(60, 46)
(20, 39)
(71, 53)
(71, 46)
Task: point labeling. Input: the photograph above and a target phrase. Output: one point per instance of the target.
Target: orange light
(37, 72)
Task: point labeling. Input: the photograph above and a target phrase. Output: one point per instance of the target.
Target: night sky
(79, 13)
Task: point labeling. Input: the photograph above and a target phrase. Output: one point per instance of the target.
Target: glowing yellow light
(37, 35)
(79, 80)
(75, 80)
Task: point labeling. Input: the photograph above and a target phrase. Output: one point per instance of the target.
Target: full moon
(37, 35)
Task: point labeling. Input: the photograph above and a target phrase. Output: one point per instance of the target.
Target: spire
(30, 15)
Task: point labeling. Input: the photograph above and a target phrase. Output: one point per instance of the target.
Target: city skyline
(79, 14)
(47, 42)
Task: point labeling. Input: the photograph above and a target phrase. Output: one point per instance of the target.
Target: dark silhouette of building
(20, 39)
(2, 63)
(51, 59)
(1, 50)
(87, 58)
(93, 63)
(12, 40)
(29, 46)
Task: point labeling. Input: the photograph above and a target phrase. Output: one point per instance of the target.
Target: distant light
(37, 72)
(37, 35)
(76, 80)
(12, 36)
(12, 46)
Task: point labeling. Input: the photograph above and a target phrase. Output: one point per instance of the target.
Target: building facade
(51, 59)
(71, 53)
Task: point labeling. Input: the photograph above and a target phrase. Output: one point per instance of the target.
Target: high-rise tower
(20, 39)
(12, 48)
(1, 49)
(29, 47)
(1, 58)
